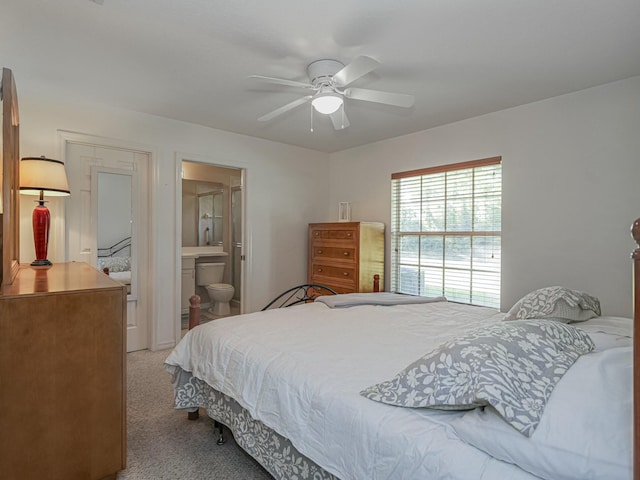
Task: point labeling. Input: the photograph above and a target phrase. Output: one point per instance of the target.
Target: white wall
(571, 186)
(570, 170)
(286, 189)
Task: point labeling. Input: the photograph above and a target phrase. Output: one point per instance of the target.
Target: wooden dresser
(62, 374)
(345, 256)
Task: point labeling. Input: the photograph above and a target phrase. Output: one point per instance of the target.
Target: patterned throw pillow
(512, 366)
(556, 303)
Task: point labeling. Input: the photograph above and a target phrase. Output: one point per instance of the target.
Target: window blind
(446, 232)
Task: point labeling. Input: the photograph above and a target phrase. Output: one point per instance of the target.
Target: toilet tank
(208, 273)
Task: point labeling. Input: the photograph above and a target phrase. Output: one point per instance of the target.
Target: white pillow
(556, 303)
(609, 332)
(512, 366)
(585, 431)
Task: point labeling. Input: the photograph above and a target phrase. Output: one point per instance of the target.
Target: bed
(383, 386)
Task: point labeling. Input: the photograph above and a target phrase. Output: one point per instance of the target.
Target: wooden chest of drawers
(62, 375)
(345, 256)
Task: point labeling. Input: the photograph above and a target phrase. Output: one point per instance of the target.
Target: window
(446, 230)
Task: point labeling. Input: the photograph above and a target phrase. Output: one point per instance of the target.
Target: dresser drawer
(341, 288)
(342, 254)
(334, 285)
(346, 233)
(346, 274)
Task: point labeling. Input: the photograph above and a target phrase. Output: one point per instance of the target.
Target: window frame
(493, 234)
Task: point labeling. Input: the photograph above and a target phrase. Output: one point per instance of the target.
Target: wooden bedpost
(635, 233)
(194, 311)
(194, 321)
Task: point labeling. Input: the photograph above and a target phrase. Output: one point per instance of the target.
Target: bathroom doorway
(212, 221)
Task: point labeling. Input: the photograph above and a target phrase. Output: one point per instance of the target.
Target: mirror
(202, 213)
(115, 225)
(210, 218)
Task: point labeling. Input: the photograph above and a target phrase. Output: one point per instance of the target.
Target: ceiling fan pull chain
(311, 110)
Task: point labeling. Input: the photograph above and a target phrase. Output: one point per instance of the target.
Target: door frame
(245, 264)
(65, 137)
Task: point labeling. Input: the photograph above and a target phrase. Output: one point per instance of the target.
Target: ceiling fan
(330, 81)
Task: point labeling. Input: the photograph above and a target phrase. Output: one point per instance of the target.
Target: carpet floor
(162, 444)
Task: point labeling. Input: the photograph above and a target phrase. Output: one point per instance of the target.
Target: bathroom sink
(207, 251)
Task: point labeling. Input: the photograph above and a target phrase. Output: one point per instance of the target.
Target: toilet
(209, 275)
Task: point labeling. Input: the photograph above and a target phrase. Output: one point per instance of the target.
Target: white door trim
(63, 138)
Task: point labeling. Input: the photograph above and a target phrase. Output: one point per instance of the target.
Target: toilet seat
(220, 286)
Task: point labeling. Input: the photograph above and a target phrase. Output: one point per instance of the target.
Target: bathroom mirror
(115, 225)
(202, 213)
(210, 218)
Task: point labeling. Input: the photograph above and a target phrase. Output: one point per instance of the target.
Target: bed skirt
(271, 450)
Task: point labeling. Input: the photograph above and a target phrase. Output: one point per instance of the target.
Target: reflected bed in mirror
(115, 264)
(115, 236)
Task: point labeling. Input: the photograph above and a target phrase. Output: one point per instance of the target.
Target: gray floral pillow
(512, 366)
(557, 303)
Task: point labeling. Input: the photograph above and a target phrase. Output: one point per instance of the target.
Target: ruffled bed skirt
(273, 451)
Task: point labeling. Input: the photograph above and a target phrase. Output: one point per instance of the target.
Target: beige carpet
(162, 444)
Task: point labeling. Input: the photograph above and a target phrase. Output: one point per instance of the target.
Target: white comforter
(299, 370)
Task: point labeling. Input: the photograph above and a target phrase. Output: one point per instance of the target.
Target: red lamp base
(41, 220)
(41, 263)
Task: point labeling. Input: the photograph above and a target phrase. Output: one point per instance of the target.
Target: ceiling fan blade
(339, 119)
(281, 81)
(388, 98)
(284, 108)
(359, 67)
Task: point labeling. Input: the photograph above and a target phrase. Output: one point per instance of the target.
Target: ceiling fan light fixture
(330, 85)
(327, 102)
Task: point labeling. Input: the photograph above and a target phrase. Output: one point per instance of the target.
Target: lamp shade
(327, 101)
(39, 174)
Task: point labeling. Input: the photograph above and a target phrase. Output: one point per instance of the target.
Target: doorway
(212, 215)
(104, 225)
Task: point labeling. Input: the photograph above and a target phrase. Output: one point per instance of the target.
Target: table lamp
(39, 175)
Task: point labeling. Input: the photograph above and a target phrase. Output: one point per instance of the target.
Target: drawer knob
(316, 233)
(319, 269)
(346, 274)
(319, 252)
(348, 234)
(346, 254)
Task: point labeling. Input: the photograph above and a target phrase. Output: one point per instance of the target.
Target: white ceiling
(189, 59)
